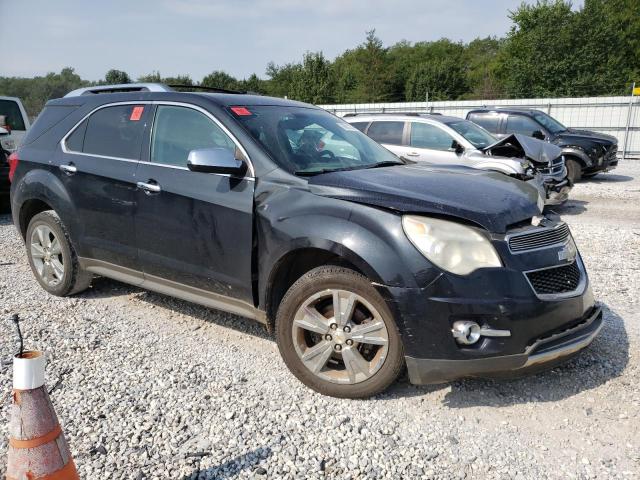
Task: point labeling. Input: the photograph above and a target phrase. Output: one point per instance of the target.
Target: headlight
(451, 246)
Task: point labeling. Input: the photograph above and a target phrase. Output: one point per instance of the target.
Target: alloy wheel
(340, 337)
(46, 253)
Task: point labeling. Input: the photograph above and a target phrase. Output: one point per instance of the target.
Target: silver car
(443, 140)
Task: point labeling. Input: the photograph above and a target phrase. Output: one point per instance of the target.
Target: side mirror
(214, 160)
(538, 134)
(456, 147)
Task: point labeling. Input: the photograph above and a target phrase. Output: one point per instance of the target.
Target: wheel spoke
(37, 251)
(41, 234)
(313, 321)
(46, 273)
(56, 249)
(372, 333)
(343, 305)
(57, 268)
(355, 364)
(316, 357)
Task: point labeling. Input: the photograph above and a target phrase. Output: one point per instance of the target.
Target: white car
(443, 140)
(14, 119)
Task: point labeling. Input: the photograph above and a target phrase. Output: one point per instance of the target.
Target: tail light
(13, 164)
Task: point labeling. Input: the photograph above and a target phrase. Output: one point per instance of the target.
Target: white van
(14, 119)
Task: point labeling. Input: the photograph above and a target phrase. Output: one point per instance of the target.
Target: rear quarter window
(116, 131)
(48, 118)
(10, 110)
(488, 121)
(362, 126)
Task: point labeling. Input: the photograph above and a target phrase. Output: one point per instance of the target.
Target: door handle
(413, 154)
(69, 169)
(149, 187)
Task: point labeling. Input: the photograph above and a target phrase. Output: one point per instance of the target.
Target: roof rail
(409, 114)
(120, 88)
(206, 89)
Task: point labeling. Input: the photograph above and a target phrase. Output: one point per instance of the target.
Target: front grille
(555, 167)
(555, 280)
(538, 238)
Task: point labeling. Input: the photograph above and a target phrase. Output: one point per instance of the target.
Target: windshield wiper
(388, 163)
(309, 173)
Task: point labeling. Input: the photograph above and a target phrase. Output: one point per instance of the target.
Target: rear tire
(354, 354)
(574, 170)
(52, 258)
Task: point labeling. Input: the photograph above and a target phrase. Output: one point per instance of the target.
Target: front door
(193, 229)
(431, 144)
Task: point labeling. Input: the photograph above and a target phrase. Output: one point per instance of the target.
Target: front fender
(369, 238)
(578, 153)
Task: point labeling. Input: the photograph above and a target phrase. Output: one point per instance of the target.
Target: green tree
(220, 79)
(115, 77)
(441, 79)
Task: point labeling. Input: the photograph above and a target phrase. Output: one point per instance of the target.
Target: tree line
(550, 50)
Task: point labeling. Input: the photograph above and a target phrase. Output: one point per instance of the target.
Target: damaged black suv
(275, 210)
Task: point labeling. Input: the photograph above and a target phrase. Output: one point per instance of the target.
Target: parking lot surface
(152, 387)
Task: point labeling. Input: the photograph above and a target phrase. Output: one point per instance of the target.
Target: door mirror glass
(456, 147)
(538, 134)
(214, 160)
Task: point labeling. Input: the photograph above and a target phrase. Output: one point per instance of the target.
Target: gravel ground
(152, 387)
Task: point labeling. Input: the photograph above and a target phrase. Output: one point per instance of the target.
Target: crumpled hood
(600, 137)
(521, 146)
(489, 199)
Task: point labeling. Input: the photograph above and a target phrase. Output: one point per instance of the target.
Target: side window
(116, 131)
(178, 130)
(424, 135)
(386, 132)
(521, 124)
(75, 141)
(362, 126)
(12, 114)
(486, 120)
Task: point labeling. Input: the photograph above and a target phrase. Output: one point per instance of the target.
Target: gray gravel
(151, 388)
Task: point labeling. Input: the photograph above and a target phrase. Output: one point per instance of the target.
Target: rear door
(193, 229)
(98, 168)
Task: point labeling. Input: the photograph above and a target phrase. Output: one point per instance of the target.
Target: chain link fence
(618, 116)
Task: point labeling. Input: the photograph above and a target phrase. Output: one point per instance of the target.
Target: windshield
(306, 141)
(476, 135)
(549, 123)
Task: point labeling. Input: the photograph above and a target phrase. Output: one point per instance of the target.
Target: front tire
(574, 170)
(52, 258)
(354, 353)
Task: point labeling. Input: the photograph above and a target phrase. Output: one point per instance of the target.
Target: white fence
(611, 115)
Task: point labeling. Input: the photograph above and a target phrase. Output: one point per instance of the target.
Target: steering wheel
(327, 153)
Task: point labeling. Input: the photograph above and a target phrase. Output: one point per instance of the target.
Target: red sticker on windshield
(241, 111)
(136, 114)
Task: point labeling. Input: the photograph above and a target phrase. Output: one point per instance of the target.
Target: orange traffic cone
(37, 447)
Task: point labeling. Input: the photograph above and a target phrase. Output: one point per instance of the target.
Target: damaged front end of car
(544, 161)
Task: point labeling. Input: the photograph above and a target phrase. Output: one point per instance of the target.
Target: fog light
(466, 332)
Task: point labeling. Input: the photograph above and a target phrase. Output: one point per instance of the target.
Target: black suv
(276, 210)
(586, 153)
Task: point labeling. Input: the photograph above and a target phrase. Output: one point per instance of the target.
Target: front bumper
(547, 349)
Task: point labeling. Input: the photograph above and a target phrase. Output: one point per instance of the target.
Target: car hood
(521, 146)
(599, 137)
(491, 200)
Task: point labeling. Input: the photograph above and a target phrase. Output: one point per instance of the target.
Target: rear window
(387, 132)
(488, 121)
(10, 110)
(116, 131)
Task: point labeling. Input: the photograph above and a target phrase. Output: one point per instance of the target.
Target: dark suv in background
(360, 263)
(586, 153)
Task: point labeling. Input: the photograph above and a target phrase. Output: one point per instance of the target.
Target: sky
(195, 37)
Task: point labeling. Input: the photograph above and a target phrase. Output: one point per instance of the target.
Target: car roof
(524, 110)
(225, 99)
(404, 117)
